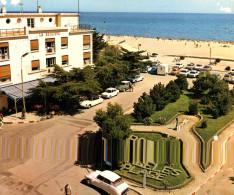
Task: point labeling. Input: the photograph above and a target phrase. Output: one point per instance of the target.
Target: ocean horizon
(195, 26)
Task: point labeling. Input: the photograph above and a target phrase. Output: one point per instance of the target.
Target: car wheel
(88, 182)
(89, 106)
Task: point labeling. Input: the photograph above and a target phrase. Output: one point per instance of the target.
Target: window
(86, 57)
(8, 20)
(30, 22)
(50, 19)
(4, 53)
(35, 65)
(50, 45)
(107, 181)
(86, 42)
(64, 42)
(50, 62)
(100, 177)
(64, 60)
(5, 73)
(34, 45)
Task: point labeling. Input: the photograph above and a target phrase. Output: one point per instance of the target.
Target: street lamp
(22, 79)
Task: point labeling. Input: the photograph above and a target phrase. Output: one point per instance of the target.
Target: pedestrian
(67, 189)
(1, 121)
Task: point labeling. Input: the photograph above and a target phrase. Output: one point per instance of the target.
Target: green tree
(173, 91)
(143, 108)
(182, 82)
(98, 44)
(159, 96)
(204, 83)
(114, 121)
(193, 108)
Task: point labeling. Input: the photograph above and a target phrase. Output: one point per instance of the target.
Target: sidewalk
(16, 118)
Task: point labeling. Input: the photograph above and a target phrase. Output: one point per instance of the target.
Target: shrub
(205, 100)
(193, 108)
(182, 57)
(182, 82)
(173, 91)
(228, 68)
(159, 96)
(148, 121)
(204, 124)
(144, 107)
(161, 121)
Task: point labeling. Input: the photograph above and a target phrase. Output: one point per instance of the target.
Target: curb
(21, 122)
(136, 191)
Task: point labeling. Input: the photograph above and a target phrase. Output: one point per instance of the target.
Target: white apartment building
(34, 42)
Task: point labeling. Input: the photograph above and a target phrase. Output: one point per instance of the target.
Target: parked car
(184, 72)
(123, 86)
(193, 74)
(107, 181)
(232, 71)
(190, 66)
(217, 74)
(110, 92)
(136, 78)
(175, 70)
(198, 67)
(229, 78)
(179, 64)
(163, 69)
(88, 103)
(153, 70)
(207, 68)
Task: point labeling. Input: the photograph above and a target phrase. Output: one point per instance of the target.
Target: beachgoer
(67, 189)
(1, 121)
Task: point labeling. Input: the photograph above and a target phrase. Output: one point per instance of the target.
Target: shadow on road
(100, 191)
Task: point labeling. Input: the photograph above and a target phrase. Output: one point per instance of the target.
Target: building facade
(33, 42)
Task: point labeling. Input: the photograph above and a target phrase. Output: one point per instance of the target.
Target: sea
(195, 26)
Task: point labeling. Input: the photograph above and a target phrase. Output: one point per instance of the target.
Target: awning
(15, 91)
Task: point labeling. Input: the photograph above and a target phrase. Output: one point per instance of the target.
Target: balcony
(4, 57)
(12, 32)
(80, 27)
(50, 50)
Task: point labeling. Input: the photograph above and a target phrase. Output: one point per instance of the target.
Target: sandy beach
(169, 49)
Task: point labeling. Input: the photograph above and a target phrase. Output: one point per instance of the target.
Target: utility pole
(210, 55)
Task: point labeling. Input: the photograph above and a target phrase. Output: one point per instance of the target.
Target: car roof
(125, 81)
(110, 88)
(110, 175)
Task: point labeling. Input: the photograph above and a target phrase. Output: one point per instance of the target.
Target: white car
(190, 66)
(136, 78)
(193, 74)
(198, 67)
(108, 181)
(110, 92)
(184, 72)
(91, 102)
(179, 65)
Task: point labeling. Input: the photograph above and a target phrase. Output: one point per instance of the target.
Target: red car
(175, 70)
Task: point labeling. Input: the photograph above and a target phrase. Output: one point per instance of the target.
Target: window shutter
(64, 58)
(64, 41)
(35, 64)
(5, 72)
(50, 40)
(86, 39)
(34, 45)
(87, 55)
(3, 44)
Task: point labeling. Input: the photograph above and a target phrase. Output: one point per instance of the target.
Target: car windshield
(199, 65)
(184, 71)
(109, 91)
(118, 182)
(192, 72)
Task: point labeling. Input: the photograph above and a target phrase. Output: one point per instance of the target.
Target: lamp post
(22, 79)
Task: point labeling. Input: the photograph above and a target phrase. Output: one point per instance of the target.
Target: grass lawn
(214, 125)
(172, 180)
(153, 136)
(181, 105)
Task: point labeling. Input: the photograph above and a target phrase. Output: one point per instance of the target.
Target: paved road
(39, 170)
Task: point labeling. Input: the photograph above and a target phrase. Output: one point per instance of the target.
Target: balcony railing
(12, 32)
(4, 57)
(50, 50)
(81, 27)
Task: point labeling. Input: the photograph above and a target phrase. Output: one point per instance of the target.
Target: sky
(171, 6)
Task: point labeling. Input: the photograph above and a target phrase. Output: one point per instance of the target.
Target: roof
(110, 175)
(15, 91)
